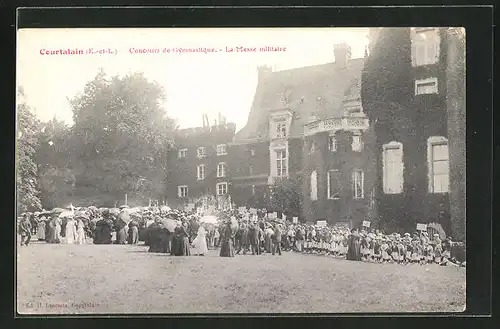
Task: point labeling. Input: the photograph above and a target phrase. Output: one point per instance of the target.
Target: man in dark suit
(276, 240)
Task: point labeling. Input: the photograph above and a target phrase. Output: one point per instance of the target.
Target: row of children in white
(385, 252)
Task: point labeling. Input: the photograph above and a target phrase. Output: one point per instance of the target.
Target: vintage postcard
(249, 170)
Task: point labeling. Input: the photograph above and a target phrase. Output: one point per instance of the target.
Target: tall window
(221, 170)
(393, 168)
(358, 178)
(281, 130)
(221, 149)
(314, 185)
(332, 144)
(250, 170)
(252, 152)
(183, 153)
(201, 172)
(281, 168)
(182, 191)
(425, 46)
(221, 188)
(253, 189)
(334, 184)
(357, 143)
(313, 147)
(201, 153)
(426, 86)
(438, 164)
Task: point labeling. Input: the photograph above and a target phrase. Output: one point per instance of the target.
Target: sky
(195, 83)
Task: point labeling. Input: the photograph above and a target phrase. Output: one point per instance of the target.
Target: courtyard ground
(75, 279)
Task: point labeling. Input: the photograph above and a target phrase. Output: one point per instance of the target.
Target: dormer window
(183, 153)
(221, 149)
(201, 152)
(425, 46)
(281, 130)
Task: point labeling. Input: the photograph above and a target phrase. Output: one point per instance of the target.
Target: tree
(285, 196)
(56, 178)
(26, 169)
(121, 137)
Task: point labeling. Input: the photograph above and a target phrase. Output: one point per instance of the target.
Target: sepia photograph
(240, 170)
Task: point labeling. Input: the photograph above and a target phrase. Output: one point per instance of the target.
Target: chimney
(342, 53)
(264, 71)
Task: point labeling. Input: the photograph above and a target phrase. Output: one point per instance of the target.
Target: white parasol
(165, 209)
(66, 214)
(124, 217)
(169, 224)
(209, 219)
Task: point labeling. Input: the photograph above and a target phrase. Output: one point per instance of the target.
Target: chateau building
(307, 126)
(413, 91)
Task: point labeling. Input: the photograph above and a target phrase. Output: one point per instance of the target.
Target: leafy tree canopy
(27, 143)
(121, 136)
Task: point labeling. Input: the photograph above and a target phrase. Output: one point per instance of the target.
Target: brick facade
(183, 171)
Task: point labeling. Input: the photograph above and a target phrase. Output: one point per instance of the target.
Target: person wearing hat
(25, 230)
(70, 231)
(438, 248)
(80, 229)
(353, 246)
(253, 237)
(276, 240)
(57, 229)
(227, 248)
(446, 254)
(182, 240)
(299, 238)
(41, 228)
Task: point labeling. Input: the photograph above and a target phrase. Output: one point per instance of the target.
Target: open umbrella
(165, 209)
(124, 217)
(169, 224)
(66, 214)
(57, 210)
(209, 219)
(234, 224)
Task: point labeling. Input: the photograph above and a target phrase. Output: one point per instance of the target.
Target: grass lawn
(74, 279)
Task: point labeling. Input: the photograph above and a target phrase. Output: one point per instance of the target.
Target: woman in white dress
(57, 230)
(80, 232)
(70, 231)
(200, 242)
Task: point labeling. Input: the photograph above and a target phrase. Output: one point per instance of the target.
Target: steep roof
(318, 90)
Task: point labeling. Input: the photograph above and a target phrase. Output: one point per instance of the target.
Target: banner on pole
(321, 223)
(366, 223)
(253, 211)
(295, 220)
(421, 227)
(242, 209)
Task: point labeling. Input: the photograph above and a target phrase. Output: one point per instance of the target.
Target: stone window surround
(431, 142)
(179, 191)
(385, 147)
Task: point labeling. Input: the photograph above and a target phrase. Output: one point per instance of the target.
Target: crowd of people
(181, 233)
